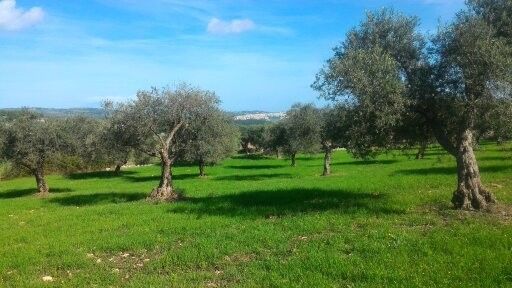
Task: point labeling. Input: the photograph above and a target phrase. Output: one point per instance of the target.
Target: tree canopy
(158, 123)
(388, 73)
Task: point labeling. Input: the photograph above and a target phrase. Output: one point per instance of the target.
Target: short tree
(85, 149)
(302, 126)
(275, 138)
(157, 123)
(113, 144)
(212, 137)
(333, 132)
(32, 143)
(252, 138)
(383, 70)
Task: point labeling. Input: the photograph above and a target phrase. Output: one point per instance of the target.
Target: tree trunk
(165, 190)
(201, 169)
(278, 153)
(42, 186)
(421, 151)
(470, 193)
(293, 160)
(327, 162)
(119, 165)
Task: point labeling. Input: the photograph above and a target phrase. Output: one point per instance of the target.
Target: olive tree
(85, 148)
(212, 137)
(302, 127)
(32, 143)
(387, 71)
(333, 132)
(157, 123)
(252, 138)
(275, 138)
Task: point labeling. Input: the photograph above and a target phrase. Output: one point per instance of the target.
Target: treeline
(181, 125)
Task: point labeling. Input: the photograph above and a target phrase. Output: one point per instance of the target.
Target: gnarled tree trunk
(293, 159)
(327, 161)
(119, 165)
(470, 193)
(201, 168)
(165, 190)
(421, 150)
(42, 186)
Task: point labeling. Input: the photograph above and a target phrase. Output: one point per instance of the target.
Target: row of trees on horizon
(391, 86)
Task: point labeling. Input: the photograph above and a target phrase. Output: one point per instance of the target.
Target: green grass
(260, 223)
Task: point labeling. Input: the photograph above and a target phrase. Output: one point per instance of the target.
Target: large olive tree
(157, 123)
(389, 73)
(32, 143)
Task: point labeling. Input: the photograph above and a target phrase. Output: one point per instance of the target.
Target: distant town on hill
(246, 118)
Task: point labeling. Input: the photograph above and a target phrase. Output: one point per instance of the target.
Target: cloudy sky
(257, 55)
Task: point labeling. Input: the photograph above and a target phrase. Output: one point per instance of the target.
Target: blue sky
(256, 54)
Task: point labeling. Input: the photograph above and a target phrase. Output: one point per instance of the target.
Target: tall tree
(32, 143)
(157, 123)
(212, 137)
(302, 126)
(385, 71)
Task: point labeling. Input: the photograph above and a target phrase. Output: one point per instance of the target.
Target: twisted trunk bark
(470, 193)
(165, 190)
(327, 162)
(278, 153)
(421, 151)
(201, 168)
(42, 186)
(293, 160)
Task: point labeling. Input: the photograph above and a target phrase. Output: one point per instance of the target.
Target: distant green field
(260, 223)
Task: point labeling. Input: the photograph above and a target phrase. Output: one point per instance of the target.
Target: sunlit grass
(258, 222)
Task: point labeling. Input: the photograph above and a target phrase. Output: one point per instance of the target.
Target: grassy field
(256, 222)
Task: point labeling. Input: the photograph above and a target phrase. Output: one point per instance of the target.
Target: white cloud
(235, 26)
(13, 18)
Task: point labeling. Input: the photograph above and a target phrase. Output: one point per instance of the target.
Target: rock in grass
(47, 278)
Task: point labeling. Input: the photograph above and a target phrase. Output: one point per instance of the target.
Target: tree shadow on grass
(495, 158)
(99, 175)
(17, 193)
(367, 162)
(449, 170)
(277, 203)
(252, 177)
(98, 198)
(255, 167)
(156, 178)
(250, 156)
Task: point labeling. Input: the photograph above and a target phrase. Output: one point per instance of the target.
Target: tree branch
(173, 132)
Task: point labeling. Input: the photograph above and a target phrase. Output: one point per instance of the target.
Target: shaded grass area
(257, 222)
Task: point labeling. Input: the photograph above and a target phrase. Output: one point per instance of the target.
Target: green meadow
(257, 222)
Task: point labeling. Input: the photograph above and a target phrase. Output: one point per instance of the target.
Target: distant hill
(246, 118)
(63, 112)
